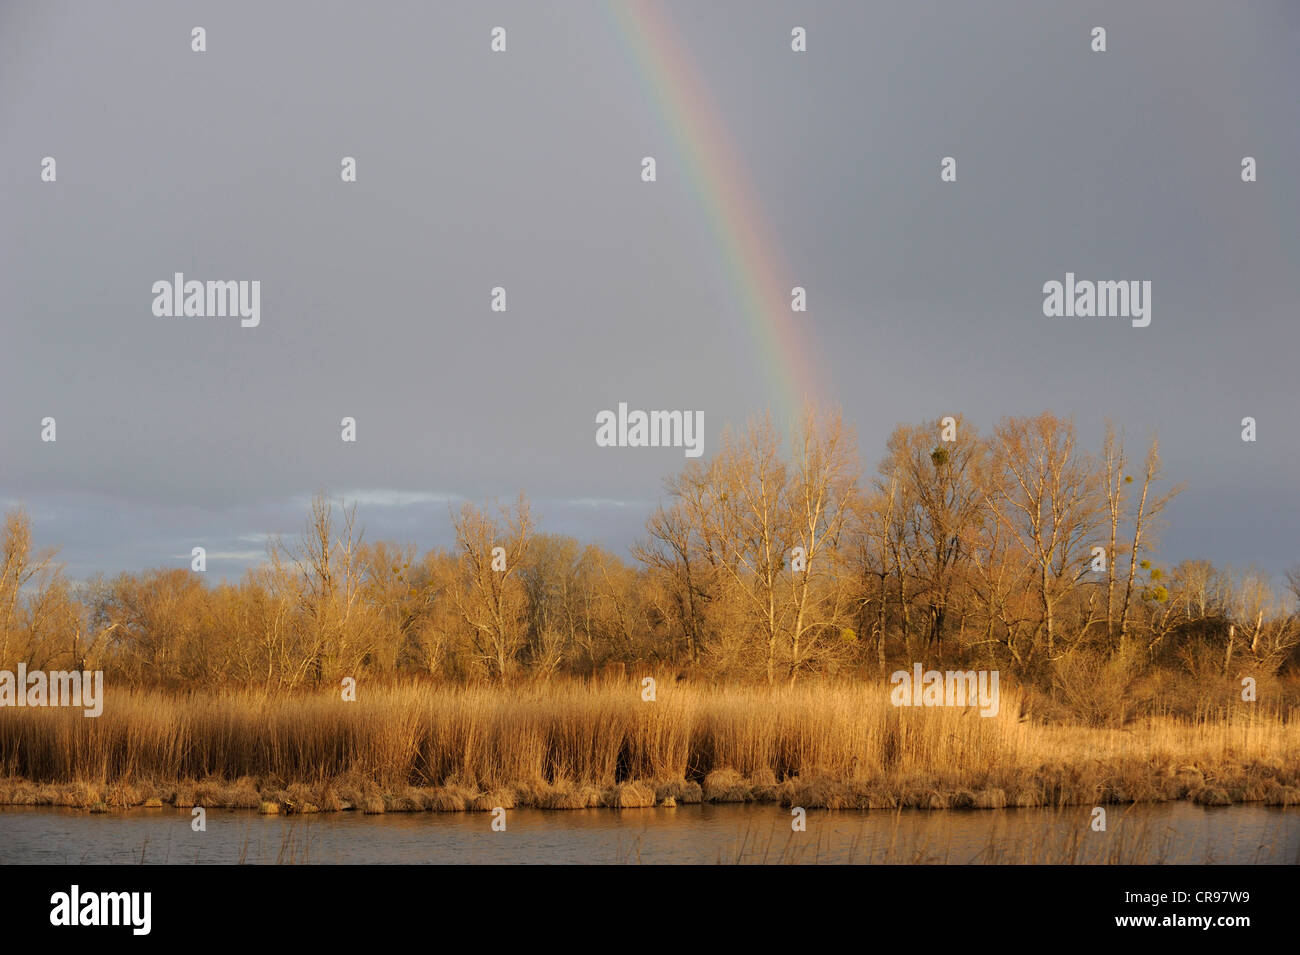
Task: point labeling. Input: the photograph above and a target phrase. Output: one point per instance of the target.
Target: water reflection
(1160, 833)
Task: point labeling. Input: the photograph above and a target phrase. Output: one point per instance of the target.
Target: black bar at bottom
(668, 905)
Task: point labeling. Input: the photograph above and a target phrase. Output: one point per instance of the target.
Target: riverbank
(573, 745)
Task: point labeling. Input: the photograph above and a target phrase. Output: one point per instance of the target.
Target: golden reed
(573, 744)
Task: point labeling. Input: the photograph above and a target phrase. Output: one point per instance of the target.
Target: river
(1158, 833)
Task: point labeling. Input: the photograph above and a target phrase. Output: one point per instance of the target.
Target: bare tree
(1050, 504)
(1267, 629)
(941, 483)
(1114, 459)
(749, 527)
(330, 573)
(1148, 509)
(490, 597)
(823, 496)
(679, 559)
(874, 556)
(22, 571)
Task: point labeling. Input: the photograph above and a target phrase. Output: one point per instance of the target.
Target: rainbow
(753, 258)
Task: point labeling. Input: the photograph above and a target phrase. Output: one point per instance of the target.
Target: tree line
(776, 559)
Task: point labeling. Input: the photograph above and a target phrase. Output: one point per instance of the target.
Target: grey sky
(522, 170)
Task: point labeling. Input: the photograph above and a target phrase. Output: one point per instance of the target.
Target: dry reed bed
(570, 745)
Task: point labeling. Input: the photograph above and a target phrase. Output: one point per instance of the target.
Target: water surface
(1159, 833)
